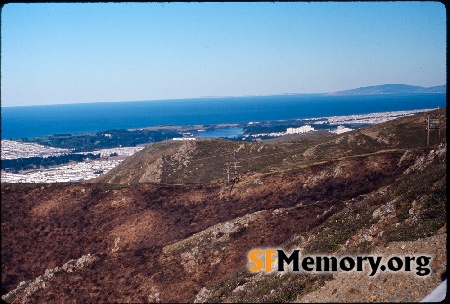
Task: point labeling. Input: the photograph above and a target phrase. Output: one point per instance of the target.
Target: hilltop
(204, 161)
(166, 226)
(392, 89)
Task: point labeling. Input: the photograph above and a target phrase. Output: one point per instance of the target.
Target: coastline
(110, 158)
(370, 118)
(28, 122)
(353, 119)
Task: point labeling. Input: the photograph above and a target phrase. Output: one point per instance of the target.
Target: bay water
(32, 121)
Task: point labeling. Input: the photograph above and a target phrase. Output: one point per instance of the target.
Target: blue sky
(96, 52)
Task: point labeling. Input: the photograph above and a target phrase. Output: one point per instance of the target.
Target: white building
(302, 129)
(184, 138)
(342, 129)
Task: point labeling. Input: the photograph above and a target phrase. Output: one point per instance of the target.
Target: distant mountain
(392, 89)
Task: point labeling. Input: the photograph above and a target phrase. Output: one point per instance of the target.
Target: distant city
(73, 172)
(110, 158)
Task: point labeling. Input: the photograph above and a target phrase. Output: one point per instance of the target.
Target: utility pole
(232, 164)
(439, 123)
(236, 162)
(227, 169)
(433, 123)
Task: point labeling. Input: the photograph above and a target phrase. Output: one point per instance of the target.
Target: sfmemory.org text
(275, 260)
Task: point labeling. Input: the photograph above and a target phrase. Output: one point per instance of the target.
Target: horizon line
(218, 97)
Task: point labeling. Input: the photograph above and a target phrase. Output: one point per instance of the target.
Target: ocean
(32, 121)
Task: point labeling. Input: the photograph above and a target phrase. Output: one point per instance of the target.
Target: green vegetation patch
(338, 228)
(432, 216)
(416, 184)
(242, 287)
(30, 163)
(224, 288)
(106, 139)
(274, 288)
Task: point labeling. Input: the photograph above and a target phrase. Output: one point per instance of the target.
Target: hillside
(205, 161)
(147, 235)
(393, 89)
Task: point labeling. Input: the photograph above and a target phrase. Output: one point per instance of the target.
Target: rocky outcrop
(435, 155)
(26, 289)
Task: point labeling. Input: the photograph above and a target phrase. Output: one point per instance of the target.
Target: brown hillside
(150, 242)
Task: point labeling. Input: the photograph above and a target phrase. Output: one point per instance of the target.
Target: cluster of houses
(66, 173)
(13, 149)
